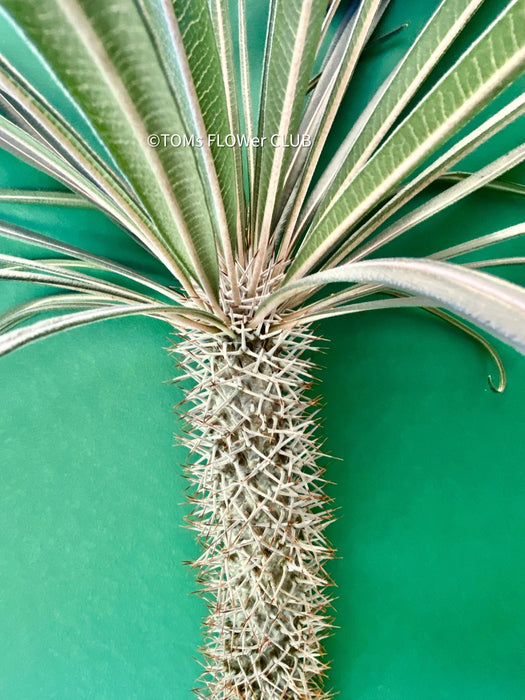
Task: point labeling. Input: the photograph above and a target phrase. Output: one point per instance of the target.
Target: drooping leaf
(17, 338)
(61, 273)
(54, 302)
(493, 304)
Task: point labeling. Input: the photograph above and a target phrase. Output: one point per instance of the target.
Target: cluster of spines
(260, 513)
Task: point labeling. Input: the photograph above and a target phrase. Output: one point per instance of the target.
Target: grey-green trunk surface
(260, 514)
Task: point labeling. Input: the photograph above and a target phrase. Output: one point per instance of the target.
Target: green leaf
(32, 112)
(496, 262)
(324, 103)
(359, 307)
(442, 201)
(293, 33)
(182, 35)
(32, 151)
(55, 302)
(333, 6)
(56, 273)
(17, 338)
(246, 94)
(506, 115)
(485, 69)
(60, 302)
(54, 198)
(219, 10)
(481, 242)
(178, 318)
(499, 184)
(392, 97)
(418, 302)
(494, 304)
(101, 52)
(98, 262)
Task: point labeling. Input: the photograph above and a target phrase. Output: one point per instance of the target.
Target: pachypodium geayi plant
(252, 241)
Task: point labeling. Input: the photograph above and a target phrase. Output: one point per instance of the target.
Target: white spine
(260, 514)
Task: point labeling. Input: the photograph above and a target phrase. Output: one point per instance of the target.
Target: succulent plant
(251, 232)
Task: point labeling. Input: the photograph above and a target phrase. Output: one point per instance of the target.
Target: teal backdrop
(427, 474)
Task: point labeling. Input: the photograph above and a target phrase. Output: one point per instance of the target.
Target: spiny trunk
(260, 514)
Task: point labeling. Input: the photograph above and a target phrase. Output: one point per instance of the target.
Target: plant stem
(260, 514)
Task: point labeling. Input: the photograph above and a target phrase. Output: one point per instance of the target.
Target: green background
(94, 599)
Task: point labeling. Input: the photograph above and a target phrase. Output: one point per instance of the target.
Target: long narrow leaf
(499, 184)
(96, 261)
(493, 304)
(92, 48)
(26, 104)
(24, 146)
(359, 291)
(481, 242)
(420, 302)
(59, 273)
(377, 305)
(294, 29)
(514, 110)
(246, 92)
(55, 302)
(410, 302)
(486, 68)
(451, 196)
(61, 302)
(496, 262)
(19, 337)
(324, 104)
(54, 198)
(219, 10)
(182, 35)
(393, 96)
